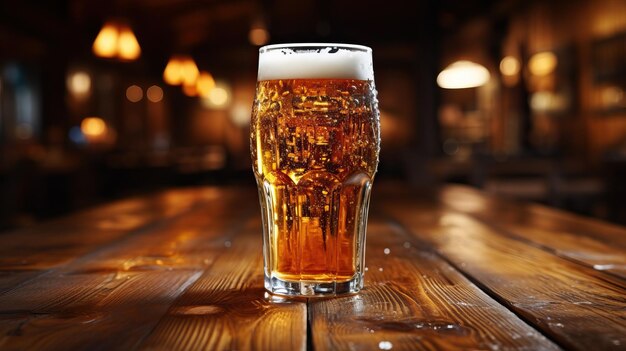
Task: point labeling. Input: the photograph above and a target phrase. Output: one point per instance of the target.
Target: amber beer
(314, 141)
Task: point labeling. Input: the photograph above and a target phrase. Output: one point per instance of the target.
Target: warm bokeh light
(93, 127)
(240, 114)
(172, 74)
(116, 40)
(463, 74)
(154, 93)
(189, 71)
(542, 64)
(218, 96)
(105, 44)
(134, 93)
(127, 45)
(181, 70)
(79, 83)
(190, 90)
(204, 84)
(258, 36)
(509, 66)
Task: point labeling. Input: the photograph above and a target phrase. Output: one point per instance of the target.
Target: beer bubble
(275, 106)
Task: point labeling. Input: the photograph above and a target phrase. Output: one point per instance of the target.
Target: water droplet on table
(385, 345)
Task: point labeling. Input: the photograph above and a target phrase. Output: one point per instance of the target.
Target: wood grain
(575, 305)
(591, 242)
(182, 270)
(27, 253)
(414, 300)
(122, 289)
(228, 309)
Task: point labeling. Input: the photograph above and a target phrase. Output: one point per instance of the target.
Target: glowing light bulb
(509, 66)
(105, 44)
(205, 84)
(189, 71)
(173, 71)
(127, 45)
(93, 127)
(463, 74)
(79, 83)
(542, 64)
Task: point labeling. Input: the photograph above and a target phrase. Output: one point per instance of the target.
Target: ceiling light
(463, 74)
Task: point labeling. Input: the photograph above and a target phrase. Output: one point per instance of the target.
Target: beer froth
(332, 62)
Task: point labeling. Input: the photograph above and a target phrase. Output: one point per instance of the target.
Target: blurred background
(106, 99)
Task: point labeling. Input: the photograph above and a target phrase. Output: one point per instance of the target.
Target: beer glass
(315, 139)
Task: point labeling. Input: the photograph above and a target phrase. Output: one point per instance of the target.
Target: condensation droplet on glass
(387, 251)
(385, 345)
(406, 244)
(227, 243)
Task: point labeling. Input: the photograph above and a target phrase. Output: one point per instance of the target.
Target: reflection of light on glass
(172, 74)
(128, 47)
(22, 99)
(79, 83)
(134, 93)
(463, 74)
(93, 127)
(509, 66)
(240, 114)
(542, 64)
(204, 84)
(154, 93)
(105, 44)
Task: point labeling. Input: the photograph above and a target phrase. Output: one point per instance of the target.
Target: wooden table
(446, 269)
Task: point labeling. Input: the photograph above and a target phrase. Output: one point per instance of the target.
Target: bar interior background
(103, 100)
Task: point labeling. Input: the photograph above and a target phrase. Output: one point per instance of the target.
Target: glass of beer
(315, 139)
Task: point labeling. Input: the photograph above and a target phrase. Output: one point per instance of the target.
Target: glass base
(313, 289)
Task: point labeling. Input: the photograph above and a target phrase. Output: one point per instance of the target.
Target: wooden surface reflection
(446, 269)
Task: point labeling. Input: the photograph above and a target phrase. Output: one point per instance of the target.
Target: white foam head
(313, 60)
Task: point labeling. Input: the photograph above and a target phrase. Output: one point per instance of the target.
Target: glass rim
(304, 46)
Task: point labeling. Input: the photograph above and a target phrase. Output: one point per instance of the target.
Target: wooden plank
(576, 306)
(123, 288)
(414, 300)
(594, 243)
(228, 308)
(27, 253)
